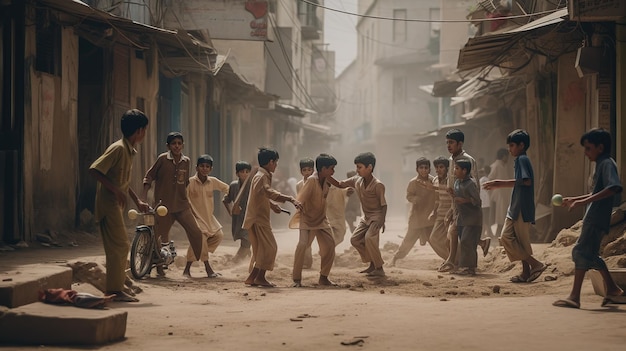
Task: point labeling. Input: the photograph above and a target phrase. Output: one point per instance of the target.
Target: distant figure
(515, 235)
(596, 223)
(500, 197)
(242, 169)
(485, 200)
(353, 206)
(306, 170)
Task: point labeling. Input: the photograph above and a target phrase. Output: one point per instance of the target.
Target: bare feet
(325, 281)
(296, 284)
(369, 269)
(262, 282)
(186, 274)
(377, 272)
(252, 277)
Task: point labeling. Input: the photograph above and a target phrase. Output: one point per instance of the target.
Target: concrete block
(44, 324)
(21, 287)
(618, 275)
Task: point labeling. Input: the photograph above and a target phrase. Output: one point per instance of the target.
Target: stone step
(44, 324)
(21, 286)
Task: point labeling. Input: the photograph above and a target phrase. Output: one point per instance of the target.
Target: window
(48, 44)
(399, 26)
(435, 27)
(399, 89)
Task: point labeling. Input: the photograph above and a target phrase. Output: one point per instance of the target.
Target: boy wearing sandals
(606, 183)
(314, 223)
(112, 172)
(515, 236)
(257, 219)
(469, 216)
(200, 192)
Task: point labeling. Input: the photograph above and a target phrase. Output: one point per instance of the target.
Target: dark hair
(241, 165)
(464, 163)
(324, 160)
(455, 134)
(598, 136)
(132, 120)
(501, 153)
(205, 159)
(366, 158)
(351, 174)
(441, 161)
(266, 155)
(306, 162)
(422, 161)
(487, 170)
(519, 136)
(174, 135)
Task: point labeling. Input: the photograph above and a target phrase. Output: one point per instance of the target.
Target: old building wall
(572, 120)
(50, 140)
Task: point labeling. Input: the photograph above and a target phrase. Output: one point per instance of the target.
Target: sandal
(122, 297)
(518, 279)
(446, 267)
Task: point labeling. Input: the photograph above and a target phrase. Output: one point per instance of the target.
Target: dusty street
(414, 307)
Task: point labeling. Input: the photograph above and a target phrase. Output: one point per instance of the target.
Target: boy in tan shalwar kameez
(257, 219)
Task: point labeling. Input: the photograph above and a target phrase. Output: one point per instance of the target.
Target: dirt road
(414, 307)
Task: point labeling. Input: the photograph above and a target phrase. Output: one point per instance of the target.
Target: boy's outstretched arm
(104, 180)
(141, 205)
(573, 202)
(500, 183)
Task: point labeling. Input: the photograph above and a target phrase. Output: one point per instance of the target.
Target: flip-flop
(121, 297)
(608, 300)
(566, 303)
(518, 279)
(535, 273)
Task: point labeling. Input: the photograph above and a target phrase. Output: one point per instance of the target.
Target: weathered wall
(570, 167)
(50, 152)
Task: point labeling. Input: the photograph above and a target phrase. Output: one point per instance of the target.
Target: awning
(492, 49)
(292, 110)
(178, 49)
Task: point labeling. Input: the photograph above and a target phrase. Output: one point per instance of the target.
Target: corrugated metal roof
(183, 47)
(491, 49)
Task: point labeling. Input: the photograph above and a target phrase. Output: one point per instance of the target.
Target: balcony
(311, 24)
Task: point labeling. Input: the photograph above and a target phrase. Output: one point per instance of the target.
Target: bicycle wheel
(141, 253)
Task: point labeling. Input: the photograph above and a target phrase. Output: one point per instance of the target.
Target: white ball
(557, 200)
(161, 210)
(132, 213)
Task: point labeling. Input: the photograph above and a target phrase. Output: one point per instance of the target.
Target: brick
(44, 324)
(21, 287)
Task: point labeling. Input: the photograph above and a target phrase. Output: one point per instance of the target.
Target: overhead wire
(430, 20)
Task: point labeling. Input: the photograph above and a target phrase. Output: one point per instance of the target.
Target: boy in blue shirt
(515, 236)
(606, 183)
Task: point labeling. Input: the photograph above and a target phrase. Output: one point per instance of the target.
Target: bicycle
(145, 251)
